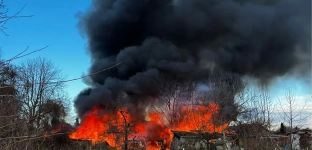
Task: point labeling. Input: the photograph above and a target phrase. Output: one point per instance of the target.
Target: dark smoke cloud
(190, 39)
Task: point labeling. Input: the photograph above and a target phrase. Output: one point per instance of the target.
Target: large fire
(115, 127)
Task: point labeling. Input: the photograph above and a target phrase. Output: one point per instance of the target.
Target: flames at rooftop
(111, 127)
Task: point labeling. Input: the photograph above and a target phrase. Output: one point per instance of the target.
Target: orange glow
(45, 135)
(110, 127)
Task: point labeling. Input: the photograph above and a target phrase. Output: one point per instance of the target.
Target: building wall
(187, 143)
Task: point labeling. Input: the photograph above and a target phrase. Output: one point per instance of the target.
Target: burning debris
(186, 41)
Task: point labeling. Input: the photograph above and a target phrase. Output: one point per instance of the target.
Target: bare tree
(35, 91)
(5, 17)
(173, 93)
(265, 107)
(222, 91)
(170, 91)
(292, 112)
(11, 123)
(198, 105)
(254, 121)
(19, 98)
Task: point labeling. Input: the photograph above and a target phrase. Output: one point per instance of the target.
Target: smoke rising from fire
(190, 39)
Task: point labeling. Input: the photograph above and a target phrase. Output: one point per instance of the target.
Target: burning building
(188, 140)
(198, 140)
(113, 128)
(166, 48)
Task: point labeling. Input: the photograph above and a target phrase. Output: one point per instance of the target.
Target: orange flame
(110, 127)
(93, 128)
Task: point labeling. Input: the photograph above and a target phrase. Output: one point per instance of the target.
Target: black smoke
(189, 39)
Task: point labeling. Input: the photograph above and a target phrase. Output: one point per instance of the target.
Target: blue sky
(55, 24)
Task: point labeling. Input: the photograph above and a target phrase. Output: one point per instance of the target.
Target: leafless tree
(197, 103)
(222, 91)
(255, 109)
(173, 94)
(258, 106)
(292, 113)
(169, 92)
(10, 121)
(5, 17)
(35, 90)
(50, 108)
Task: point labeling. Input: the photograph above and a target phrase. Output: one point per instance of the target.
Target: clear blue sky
(54, 24)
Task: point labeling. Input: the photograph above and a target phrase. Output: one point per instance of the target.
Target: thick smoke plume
(189, 39)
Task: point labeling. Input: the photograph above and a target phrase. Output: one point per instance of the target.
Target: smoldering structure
(189, 39)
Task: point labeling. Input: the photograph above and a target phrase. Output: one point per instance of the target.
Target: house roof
(248, 128)
(180, 134)
(191, 134)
